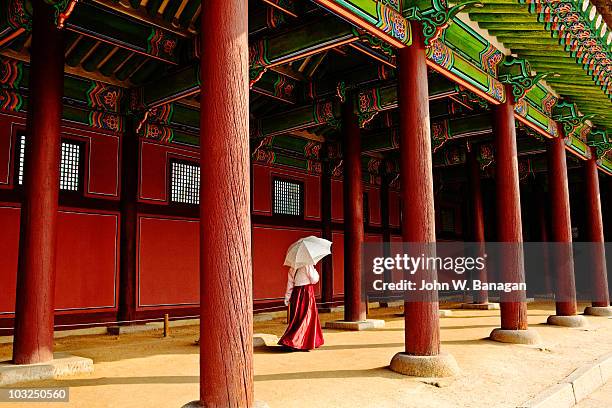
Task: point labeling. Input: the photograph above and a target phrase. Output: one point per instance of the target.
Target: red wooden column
(477, 211)
(509, 225)
(598, 278)
(34, 311)
(226, 325)
(422, 327)
(327, 265)
(354, 304)
(561, 236)
(129, 224)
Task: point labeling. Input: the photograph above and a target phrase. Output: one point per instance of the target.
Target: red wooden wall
(88, 249)
(167, 268)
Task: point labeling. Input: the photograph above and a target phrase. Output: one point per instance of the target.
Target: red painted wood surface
(168, 262)
(33, 342)
(103, 179)
(155, 170)
(595, 235)
(422, 326)
(87, 261)
(338, 261)
(394, 208)
(354, 304)
(561, 228)
(9, 242)
(262, 180)
(508, 212)
(337, 193)
(373, 205)
(477, 212)
(226, 328)
(270, 246)
(7, 149)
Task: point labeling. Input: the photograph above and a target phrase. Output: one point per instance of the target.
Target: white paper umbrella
(307, 251)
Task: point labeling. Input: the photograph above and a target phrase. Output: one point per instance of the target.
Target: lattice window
(21, 153)
(288, 197)
(184, 183)
(70, 164)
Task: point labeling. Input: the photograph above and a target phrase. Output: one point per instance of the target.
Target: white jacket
(306, 275)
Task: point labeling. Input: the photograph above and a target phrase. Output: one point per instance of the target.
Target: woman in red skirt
(304, 330)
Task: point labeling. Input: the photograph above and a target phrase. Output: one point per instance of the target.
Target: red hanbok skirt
(304, 330)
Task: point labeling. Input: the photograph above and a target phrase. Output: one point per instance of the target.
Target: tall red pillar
(327, 265)
(129, 225)
(34, 312)
(509, 225)
(561, 235)
(598, 278)
(422, 325)
(226, 325)
(354, 304)
(478, 230)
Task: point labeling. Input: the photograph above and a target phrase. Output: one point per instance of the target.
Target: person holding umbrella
(304, 329)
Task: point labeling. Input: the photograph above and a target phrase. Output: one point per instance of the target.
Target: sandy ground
(348, 371)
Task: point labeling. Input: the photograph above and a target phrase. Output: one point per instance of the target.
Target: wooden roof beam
(93, 20)
(327, 111)
(185, 82)
(142, 15)
(267, 53)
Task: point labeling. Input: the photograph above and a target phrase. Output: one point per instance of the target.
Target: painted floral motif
(312, 150)
(490, 59)
(10, 101)
(161, 44)
(439, 53)
(106, 121)
(10, 72)
(392, 22)
(103, 96)
(439, 134)
(18, 16)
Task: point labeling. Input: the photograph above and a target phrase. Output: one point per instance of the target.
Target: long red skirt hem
(304, 330)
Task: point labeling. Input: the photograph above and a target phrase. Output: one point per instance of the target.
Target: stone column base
(567, 321)
(442, 365)
(198, 404)
(355, 326)
(62, 365)
(598, 311)
(480, 306)
(528, 336)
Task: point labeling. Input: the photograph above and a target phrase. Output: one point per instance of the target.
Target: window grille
(185, 183)
(288, 197)
(70, 164)
(21, 159)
